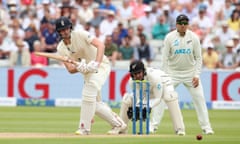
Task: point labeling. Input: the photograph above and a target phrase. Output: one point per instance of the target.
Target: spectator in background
(38, 61)
(224, 32)
(13, 12)
(147, 21)
(20, 56)
(227, 9)
(154, 11)
(94, 3)
(213, 8)
(30, 19)
(111, 49)
(189, 10)
(116, 37)
(236, 42)
(66, 9)
(237, 7)
(140, 30)
(159, 6)
(75, 22)
(195, 28)
(126, 51)
(160, 29)
(98, 34)
(125, 12)
(30, 37)
(77, 4)
(210, 57)
(138, 9)
(5, 49)
(85, 14)
(169, 19)
(46, 7)
(49, 37)
(7, 38)
(109, 24)
(4, 15)
(122, 31)
(108, 6)
(174, 8)
(97, 18)
(228, 59)
(143, 51)
(203, 21)
(119, 33)
(88, 27)
(133, 38)
(219, 47)
(234, 21)
(44, 22)
(16, 27)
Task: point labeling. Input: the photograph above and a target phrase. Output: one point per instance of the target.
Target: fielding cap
(182, 17)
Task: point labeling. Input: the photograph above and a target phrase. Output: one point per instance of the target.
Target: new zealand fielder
(182, 60)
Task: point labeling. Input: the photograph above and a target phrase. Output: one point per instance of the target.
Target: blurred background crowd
(130, 29)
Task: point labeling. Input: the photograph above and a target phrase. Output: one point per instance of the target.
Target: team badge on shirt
(158, 86)
(176, 42)
(189, 41)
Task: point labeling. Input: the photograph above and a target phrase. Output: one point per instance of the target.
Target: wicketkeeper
(161, 88)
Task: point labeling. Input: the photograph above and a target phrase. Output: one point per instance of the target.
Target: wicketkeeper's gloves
(144, 113)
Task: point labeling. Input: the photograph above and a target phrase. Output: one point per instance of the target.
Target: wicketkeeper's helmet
(136, 66)
(63, 23)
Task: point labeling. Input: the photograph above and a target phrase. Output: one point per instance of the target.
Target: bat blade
(54, 56)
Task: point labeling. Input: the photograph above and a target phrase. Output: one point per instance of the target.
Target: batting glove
(82, 66)
(92, 66)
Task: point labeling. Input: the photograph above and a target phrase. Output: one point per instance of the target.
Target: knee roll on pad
(89, 92)
(102, 107)
(170, 96)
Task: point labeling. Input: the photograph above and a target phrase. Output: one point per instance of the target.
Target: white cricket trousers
(198, 101)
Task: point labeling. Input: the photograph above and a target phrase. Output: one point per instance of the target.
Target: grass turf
(60, 124)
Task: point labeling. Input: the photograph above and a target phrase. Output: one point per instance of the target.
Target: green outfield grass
(51, 125)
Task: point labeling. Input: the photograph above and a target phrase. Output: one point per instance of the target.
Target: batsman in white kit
(80, 46)
(161, 88)
(182, 60)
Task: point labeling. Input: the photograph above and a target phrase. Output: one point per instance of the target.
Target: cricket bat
(55, 56)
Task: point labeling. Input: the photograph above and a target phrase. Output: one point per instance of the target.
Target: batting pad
(87, 113)
(105, 112)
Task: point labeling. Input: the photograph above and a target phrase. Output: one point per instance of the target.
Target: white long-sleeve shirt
(157, 80)
(182, 54)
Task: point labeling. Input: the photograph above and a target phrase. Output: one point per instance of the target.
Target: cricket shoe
(152, 129)
(118, 130)
(82, 132)
(208, 131)
(180, 132)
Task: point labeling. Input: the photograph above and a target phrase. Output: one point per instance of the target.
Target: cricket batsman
(161, 88)
(79, 45)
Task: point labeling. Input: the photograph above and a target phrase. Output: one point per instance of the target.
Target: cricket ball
(199, 137)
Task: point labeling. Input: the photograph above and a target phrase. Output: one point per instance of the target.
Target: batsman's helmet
(63, 23)
(136, 66)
